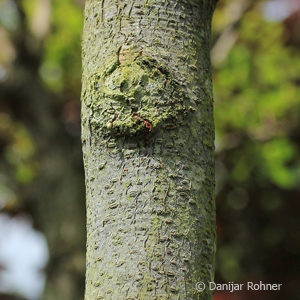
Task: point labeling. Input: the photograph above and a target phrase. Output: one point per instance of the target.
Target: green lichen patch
(136, 96)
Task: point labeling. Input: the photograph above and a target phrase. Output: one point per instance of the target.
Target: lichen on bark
(135, 94)
(148, 142)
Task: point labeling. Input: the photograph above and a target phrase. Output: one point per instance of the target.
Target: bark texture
(148, 144)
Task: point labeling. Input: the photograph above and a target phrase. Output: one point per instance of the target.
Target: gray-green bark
(148, 144)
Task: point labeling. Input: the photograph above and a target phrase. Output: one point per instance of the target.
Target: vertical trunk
(148, 143)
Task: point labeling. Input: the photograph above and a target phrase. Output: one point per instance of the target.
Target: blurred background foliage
(256, 70)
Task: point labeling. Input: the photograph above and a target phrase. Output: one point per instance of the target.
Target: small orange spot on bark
(148, 125)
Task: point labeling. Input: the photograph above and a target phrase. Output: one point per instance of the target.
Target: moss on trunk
(148, 143)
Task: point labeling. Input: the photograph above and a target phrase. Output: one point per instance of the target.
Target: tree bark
(148, 145)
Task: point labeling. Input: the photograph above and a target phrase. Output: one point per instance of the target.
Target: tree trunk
(148, 143)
